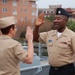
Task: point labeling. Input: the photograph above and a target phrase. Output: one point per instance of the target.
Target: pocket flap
(62, 45)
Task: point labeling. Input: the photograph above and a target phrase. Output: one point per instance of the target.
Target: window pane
(4, 9)
(4, 1)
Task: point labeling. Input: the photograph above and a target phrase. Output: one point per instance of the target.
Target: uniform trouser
(64, 70)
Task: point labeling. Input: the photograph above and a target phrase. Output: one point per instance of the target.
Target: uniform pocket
(63, 45)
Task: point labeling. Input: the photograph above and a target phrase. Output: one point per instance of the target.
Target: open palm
(40, 20)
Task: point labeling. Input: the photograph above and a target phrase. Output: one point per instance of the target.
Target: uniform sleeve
(42, 37)
(73, 43)
(20, 53)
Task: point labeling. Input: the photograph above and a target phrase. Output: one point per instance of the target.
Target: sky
(64, 3)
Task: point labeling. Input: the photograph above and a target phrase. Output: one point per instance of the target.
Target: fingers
(29, 33)
(40, 20)
(29, 30)
(41, 16)
(43, 22)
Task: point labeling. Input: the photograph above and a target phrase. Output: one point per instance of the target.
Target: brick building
(52, 9)
(71, 11)
(49, 11)
(23, 10)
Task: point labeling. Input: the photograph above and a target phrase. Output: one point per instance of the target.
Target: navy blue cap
(61, 11)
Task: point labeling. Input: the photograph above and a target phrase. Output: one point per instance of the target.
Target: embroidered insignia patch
(63, 42)
(50, 41)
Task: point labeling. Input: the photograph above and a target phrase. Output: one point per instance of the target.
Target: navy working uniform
(11, 51)
(60, 49)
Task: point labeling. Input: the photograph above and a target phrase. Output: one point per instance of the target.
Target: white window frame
(14, 3)
(14, 12)
(33, 4)
(33, 12)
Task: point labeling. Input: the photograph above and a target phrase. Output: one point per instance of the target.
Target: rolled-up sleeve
(20, 53)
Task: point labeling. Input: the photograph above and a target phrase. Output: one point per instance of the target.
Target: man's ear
(11, 29)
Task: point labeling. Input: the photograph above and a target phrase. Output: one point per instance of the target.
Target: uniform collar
(54, 32)
(5, 37)
(63, 33)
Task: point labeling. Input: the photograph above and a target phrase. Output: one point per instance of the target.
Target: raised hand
(29, 34)
(40, 20)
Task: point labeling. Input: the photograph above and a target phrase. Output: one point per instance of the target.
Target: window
(51, 11)
(32, 20)
(4, 9)
(26, 11)
(26, 18)
(14, 12)
(33, 4)
(33, 13)
(14, 3)
(46, 12)
(4, 1)
(26, 2)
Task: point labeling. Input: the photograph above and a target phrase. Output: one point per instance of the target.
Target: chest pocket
(63, 45)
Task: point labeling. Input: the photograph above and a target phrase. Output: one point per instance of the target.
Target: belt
(63, 67)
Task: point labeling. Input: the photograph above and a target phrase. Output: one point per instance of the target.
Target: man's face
(14, 29)
(59, 23)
